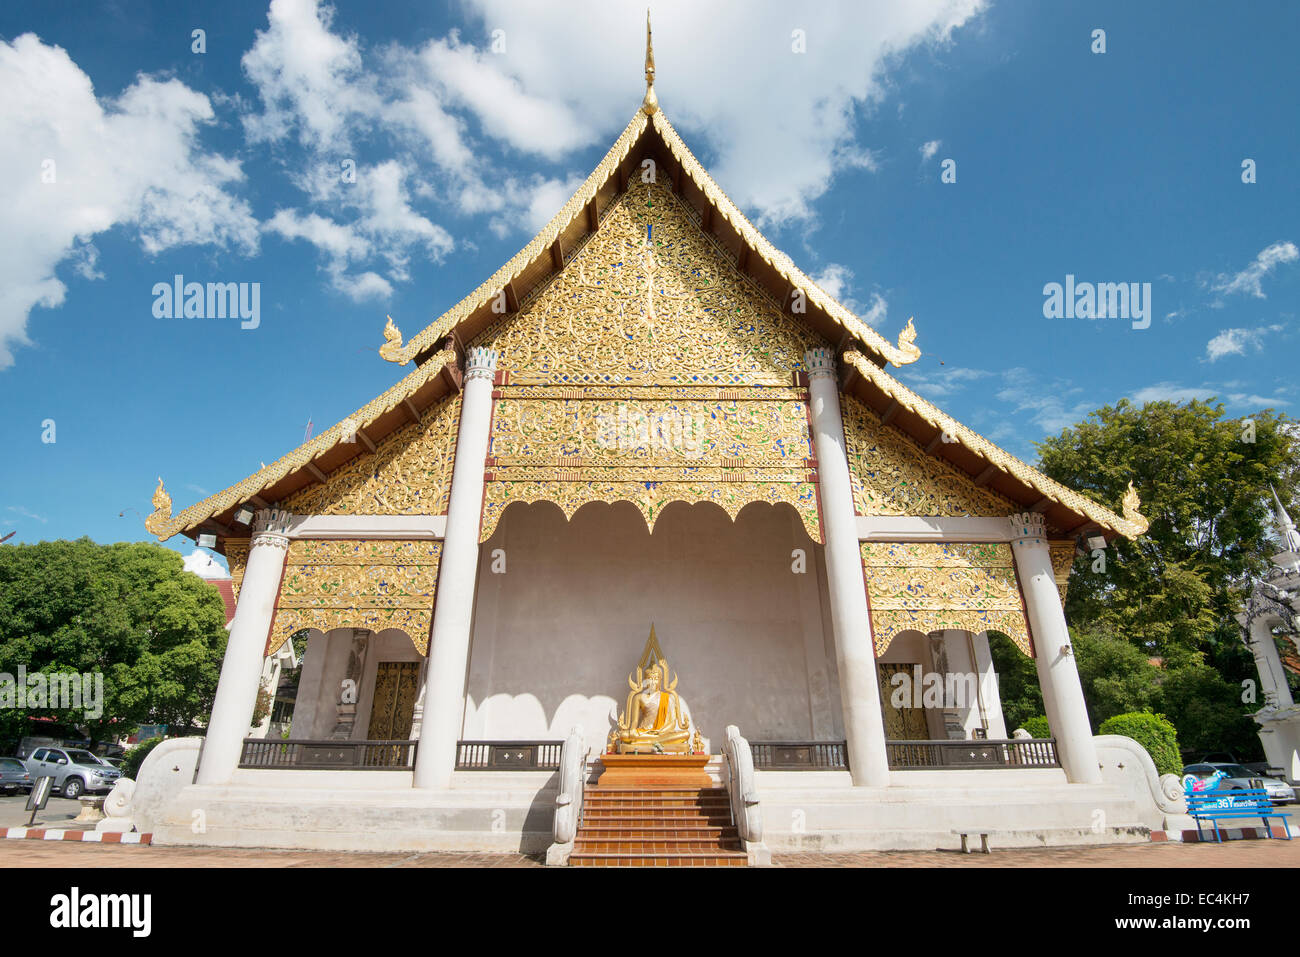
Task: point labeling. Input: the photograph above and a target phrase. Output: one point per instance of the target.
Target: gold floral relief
(649, 299)
(237, 559)
(1062, 556)
(358, 584)
(408, 474)
(651, 497)
(929, 587)
(660, 431)
(892, 475)
(650, 446)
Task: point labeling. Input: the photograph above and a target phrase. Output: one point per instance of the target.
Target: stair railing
(741, 790)
(573, 781)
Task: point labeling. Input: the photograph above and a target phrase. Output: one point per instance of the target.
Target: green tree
(1018, 689)
(1173, 592)
(127, 611)
(1153, 732)
(1116, 676)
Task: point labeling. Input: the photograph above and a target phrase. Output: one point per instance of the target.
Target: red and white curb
(52, 834)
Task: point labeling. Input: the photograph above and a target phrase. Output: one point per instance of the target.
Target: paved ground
(58, 812)
(1233, 854)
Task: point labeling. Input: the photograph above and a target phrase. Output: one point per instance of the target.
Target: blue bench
(1247, 802)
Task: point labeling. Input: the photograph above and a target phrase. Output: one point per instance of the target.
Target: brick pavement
(1233, 854)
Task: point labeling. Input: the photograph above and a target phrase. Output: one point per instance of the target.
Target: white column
(990, 698)
(1058, 676)
(864, 726)
(1272, 678)
(241, 669)
(453, 610)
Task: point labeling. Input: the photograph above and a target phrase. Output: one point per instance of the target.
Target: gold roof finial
(651, 102)
(162, 511)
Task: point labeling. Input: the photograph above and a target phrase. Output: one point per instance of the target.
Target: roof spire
(651, 102)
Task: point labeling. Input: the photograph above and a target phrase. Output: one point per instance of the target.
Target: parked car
(113, 762)
(74, 771)
(14, 776)
(1239, 778)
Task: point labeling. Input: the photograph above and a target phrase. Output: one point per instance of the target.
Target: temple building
(650, 437)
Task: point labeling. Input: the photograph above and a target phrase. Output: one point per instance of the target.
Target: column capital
(1029, 529)
(820, 363)
(480, 363)
(271, 527)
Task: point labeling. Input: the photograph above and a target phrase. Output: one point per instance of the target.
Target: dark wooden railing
(508, 755)
(954, 755)
(799, 755)
(909, 755)
(398, 755)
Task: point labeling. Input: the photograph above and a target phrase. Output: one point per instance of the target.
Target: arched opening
(564, 608)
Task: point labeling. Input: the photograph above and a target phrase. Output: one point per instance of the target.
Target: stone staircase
(657, 827)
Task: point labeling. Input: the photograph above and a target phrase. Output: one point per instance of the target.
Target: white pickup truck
(74, 770)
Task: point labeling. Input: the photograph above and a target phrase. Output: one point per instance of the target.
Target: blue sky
(1122, 166)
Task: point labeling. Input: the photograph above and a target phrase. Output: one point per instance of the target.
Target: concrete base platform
(919, 815)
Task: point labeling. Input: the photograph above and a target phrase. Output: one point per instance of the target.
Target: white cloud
(1249, 280)
(1175, 392)
(929, 149)
(204, 565)
(1237, 342)
(132, 160)
(24, 513)
(1048, 404)
(780, 128)
(310, 80)
(836, 280)
(477, 81)
(1171, 392)
(943, 382)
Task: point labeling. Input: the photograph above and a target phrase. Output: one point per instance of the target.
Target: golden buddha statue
(656, 719)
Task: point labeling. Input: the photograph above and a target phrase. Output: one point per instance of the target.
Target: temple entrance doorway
(564, 607)
(396, 685)
(902, 721)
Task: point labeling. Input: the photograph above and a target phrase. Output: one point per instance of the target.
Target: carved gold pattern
(650, 371)
(267, 476)
(1062, 558)
(633, 431)
(650, 300)
(408, 474)
(237, 560)
(930, 587)
(358, 584)
(892, 475)
(650, 498)
(1131, 525)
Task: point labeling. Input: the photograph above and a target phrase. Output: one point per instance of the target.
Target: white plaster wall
(306, 705)
(556, 634)
(324, 664)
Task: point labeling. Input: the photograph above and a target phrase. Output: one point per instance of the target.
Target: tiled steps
(657, 827)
